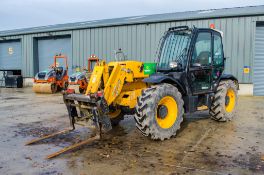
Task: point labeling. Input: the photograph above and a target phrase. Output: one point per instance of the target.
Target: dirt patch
(12, 98)
(251, 161)
(38, 129)
(35, 129)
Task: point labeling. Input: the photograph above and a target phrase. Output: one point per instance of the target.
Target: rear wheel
(159, 111)
(82, 91)
(65, 85)
(53, 88)
(116, 117)
(225, 101)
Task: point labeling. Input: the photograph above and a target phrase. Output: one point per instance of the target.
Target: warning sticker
(246, 69)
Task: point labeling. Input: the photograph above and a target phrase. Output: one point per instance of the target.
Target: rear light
(70, 91)
(100, 94)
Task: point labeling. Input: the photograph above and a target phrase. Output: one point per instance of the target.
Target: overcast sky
(29, 13)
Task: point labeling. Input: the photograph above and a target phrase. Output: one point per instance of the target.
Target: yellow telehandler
(187, 77)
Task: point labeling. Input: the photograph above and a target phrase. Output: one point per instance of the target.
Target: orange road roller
(78, 81)
(53, 79)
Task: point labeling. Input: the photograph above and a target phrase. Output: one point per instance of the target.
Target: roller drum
(46, 88)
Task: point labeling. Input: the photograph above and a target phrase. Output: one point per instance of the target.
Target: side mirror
(196, 65)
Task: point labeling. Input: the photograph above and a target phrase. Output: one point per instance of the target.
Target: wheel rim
(170, 117)
(114, 114)
(230, 100)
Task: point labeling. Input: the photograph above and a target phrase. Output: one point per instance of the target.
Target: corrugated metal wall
(140, 42)
(258, 78)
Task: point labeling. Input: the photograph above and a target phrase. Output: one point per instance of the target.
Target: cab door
(200, 66)
(218, 57)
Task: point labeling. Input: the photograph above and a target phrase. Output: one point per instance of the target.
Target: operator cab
(196, 53)
(174, 49)
(193, 60)
(60, 72)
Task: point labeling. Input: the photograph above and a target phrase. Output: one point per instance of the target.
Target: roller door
(10, 55)
(48, 47)
(258, 78)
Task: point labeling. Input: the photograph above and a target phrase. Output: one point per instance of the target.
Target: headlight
(173, 64)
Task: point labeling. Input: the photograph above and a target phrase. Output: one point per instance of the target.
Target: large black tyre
(224, 104)
(65, 85)
(82, 91)
(148, 116)
(54, 88)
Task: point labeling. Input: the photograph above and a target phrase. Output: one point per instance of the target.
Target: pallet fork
(99, 127)
(95, 137)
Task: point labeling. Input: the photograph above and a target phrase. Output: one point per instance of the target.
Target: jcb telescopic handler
(187, 77)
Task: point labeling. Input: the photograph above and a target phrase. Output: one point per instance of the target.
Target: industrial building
(26, 51)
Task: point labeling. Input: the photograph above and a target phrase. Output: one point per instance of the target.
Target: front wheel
(116, 117)
(224, 104)
(159, 111)
(81, 90)
(65, 85)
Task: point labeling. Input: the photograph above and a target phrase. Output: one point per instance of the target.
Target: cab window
(218, 51)
(202, 49)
